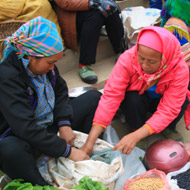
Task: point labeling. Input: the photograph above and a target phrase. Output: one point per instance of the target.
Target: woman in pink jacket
(152, 77)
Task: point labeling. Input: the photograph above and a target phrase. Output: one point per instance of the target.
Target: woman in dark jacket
(34, 103)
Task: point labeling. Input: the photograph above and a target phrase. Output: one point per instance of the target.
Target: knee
(95, 95)
(96, 18)
(11, 147)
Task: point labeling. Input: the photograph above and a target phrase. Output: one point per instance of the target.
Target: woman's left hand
(127, 143)
(67, 133)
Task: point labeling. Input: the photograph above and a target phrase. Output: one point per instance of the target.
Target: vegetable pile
(87, 183)
(18, 185)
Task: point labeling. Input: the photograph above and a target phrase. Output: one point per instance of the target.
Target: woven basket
(7, 29)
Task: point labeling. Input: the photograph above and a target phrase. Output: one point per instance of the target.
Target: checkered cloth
(38, 37)
(46, 97)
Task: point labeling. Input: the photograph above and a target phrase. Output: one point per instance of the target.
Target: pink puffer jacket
(124, 77)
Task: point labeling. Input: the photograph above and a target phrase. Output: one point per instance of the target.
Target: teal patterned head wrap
(38, 37)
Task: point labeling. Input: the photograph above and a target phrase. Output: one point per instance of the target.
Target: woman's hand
(88, 148)
(67, 133)
(95, 131)
(128, 142)
(78, 155)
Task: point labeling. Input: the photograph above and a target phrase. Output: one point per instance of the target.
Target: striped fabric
(38, 37)
(182, 32)
(46, 97)
(186, 52)
(174, 24)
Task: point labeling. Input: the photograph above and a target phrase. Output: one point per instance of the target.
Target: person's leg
(89, 24)
(135, 109)
(153, 106)
(84, 108)
(157, 4)
(18, 160)
(169, 132)
(173, 124)
(115, 31)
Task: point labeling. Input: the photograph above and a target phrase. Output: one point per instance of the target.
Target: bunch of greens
(87, 183)
(18, 185)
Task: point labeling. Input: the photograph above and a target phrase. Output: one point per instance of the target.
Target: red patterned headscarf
(161, 40)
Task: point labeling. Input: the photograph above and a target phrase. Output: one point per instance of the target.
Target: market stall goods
(147, 183)
(183, 179)
(150, 180)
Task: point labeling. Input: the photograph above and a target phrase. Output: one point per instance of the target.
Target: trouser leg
(135, 109)
(115, 31)
(172, 125)
(18, 160)
(89, 24)
(84, 108)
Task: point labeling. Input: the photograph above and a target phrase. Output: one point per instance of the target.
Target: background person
(176, 18)
(151, 76)
(84, 19)
(34, 103)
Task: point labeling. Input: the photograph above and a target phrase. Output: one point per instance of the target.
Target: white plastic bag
(173, 182)
(136, 18)
(4, 180)
(131, 163)
(67, 173)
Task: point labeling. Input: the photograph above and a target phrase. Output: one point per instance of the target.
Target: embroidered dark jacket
(18, 99)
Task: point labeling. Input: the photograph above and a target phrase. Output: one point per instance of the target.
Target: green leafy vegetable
(18, 185)
(87, 183)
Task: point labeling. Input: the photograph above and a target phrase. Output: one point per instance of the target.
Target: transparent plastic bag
(187, 148)
(133, 166)
(154, 174)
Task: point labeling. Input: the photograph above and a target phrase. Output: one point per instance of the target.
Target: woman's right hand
(88, 148)
(95, 131)
(78, 155)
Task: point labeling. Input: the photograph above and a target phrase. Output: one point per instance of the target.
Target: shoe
(171, 134)
(88, 75)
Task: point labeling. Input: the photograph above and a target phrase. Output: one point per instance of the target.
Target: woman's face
(43, 65)
(149, 59)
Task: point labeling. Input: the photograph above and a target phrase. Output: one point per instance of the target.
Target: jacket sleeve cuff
(64, 123)
(151, 131)
(67, 151)
(94, 123)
